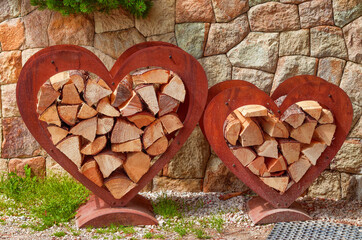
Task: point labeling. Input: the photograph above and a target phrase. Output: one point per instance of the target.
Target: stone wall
(264, 42)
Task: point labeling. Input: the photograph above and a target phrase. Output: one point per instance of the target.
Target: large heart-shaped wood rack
(52, 60)
(297, 89)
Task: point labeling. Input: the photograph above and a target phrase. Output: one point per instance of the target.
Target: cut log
(304, 133)
(145, 76)
(278, 183)
(93, 92)
(158, 147)
(70, 94)
(86, 111)
(91, 170)
(59, 79)
(175, 88)
(131, 106)
(109, 161)
(148, 95)
(136, 165)
(257, 166)
(68, 113)
(57, 134)
(294, 116)
(77, 77)
(123, 91)
(232, 128)
(313, 151)
(50, 116)
(250, 134)
(47, 95)
(245, 155)
(276, 164)
(269, 148)
(171, 123)
(86, 129)
(104, 106)
(152, 133)
(326, 117)
(325, 133)
(167, 104)
(290, 150)
(253, 111)
(119, 185)
(273, 126)
(130, 146)
(142, 119)
(70, 147)
(124, 131)
(312, 108)
(104, 125)
(95, 147)
(299, 168)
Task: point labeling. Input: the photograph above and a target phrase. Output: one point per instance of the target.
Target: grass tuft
(59, 234)
(166, 207)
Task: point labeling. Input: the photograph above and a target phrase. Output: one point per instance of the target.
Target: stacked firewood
(111, 136)
(279, 151)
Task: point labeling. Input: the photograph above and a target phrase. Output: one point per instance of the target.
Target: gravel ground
(237, 224)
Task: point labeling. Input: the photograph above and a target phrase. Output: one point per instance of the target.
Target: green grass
(166, 207)
(151, 235)
(59, 234)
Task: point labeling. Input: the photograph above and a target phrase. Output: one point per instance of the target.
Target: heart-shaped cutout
(328, 95)
(53, 60)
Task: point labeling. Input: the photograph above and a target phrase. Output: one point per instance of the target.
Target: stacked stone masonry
(264, 42)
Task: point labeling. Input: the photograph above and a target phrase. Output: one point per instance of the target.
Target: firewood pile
(111, 136)
(279, 151)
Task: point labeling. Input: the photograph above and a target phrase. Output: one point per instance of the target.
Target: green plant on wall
(138, 8)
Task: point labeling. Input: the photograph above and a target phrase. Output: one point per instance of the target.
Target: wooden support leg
(262, 212)
(97, 213)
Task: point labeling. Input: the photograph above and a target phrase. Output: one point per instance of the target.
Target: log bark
(148, 95)
(68, 113)
(57, 134)
(104, 106)
(273, 126)
(167, 104)
(245, 155)
(123, 91)
(146, 76)
(124, 131)
(299, 168)
(91, 170)
(326, 117)
(313, 151)
(132, 106)
(104, 125)
(70, 94)
(95, 147)
(94, 92)
(109, 161)
(278, 183)
(250, 134)
(152, 133)
(50, 116)
(119, 185)
(232, 128)
(304, 133)
(158, 147)
(130, 146)
(290, 150)
(70, 147)
(253, 110)
(142, 119)
(47, 96)
(171, 123)
(312, 108)
(136, 165)
(86, 129)
(324, 133)
(86, 111)
(175, 88)
(269, 148)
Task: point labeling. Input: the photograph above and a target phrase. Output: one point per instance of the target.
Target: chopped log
(156, 75)
(232, 128)
(326, 117)
(91, 170)
(119, 185)
(68, 113)
(294, 116)
(104, 125)
(325, 133)
(245, 155)
(148, 95)
(313, 151)
(123, 91)
(59, 79)
(304, 133)
(257, 166)
(253, 110)
(86, 129)
(95, 147)
(70, 147)
(269, 148)
(312, 108)
(131, 106)
(136, 165)
(276, 164)
(130, 146)
(70, 95)
(104, 106)
(278, 183)
(142, 119)
(93, 92)
(86, 111)
(77, 78)
(250, 134)
(167, 104)
(290, 150)
(57, 134)
(158, 147)
(47, 95)
(124, 131)
(152, 133)
(171, 123)
(109, 161)
(50, 116)
(299, 168)
(175, 88)
(273, 126)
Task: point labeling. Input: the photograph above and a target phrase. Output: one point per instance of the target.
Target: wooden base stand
(97, 213)
(262, 212)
